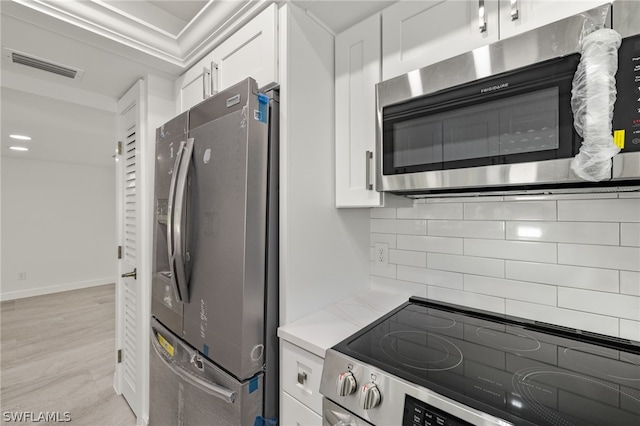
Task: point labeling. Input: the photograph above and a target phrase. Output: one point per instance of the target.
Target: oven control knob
(346, 384)
(369, 396)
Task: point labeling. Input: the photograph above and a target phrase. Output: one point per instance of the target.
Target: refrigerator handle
(180, 259)
(170, 219)
(201, 383)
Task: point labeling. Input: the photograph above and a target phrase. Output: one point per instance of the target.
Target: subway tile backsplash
(571, 260)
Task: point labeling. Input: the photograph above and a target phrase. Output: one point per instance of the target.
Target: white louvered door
(128, 380)
(130, 295)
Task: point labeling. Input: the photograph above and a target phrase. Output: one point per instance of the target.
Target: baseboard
(39, 291)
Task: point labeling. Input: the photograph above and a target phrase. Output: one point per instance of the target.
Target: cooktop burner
(421, 351)
(582, 359)
(511, 368)
(510, 339)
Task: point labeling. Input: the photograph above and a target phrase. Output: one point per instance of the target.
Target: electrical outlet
(22, 276)
(381, 254)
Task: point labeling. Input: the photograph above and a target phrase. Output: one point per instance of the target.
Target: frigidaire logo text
(496, 87)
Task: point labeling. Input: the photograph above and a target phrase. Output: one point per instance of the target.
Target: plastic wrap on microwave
(592, 98)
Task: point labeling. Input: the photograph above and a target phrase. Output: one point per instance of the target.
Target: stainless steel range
(429, 363)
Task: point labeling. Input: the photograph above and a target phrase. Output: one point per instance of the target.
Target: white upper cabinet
(518, 16)
(420, 33)
(249, 52)
(358, 68)
(194, 86)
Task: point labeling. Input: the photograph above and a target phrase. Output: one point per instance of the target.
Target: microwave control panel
(626, 115)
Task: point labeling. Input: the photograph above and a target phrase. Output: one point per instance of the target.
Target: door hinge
(119, 148)
(119, 356)
(119, 252)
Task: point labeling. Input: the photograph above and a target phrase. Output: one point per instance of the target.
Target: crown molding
(210, 27)
(217, 22)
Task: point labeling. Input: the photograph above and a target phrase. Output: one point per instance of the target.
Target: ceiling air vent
(42, 64)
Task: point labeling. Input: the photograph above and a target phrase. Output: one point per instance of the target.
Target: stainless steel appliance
(500, 118)
(428, 363)
(214, 305)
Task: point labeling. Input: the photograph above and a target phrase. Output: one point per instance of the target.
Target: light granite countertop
(321, 330)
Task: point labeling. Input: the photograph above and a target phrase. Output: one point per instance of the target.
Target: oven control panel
(418, 413)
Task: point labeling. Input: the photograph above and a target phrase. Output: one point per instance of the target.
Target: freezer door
(164, 302)
(186, 389)
(225, 316)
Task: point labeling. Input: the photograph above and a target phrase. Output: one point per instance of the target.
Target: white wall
(570, 260)
(323, 255)
(159, 107)
(58, 226)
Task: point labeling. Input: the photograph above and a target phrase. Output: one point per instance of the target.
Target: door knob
(133, 274)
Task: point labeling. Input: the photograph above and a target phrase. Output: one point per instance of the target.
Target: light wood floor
(57, 355)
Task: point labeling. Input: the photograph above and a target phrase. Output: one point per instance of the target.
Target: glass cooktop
(512, 368)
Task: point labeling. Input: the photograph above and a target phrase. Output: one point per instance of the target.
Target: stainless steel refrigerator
(214, 307)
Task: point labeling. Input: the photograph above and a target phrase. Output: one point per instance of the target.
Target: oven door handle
(334, 415)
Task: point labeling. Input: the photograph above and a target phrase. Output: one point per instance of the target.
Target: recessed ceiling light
(19, 148)
(20, 137)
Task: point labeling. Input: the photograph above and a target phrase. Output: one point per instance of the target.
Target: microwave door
(417, 141)
(471, 135)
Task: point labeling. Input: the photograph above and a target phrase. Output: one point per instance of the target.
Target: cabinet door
(517, 16)
(295, 414)
(249, 52)
(420, 33)
(194, 86)
(357, 70)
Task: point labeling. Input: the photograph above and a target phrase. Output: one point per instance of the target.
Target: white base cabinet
(295, 413)
(301, 372)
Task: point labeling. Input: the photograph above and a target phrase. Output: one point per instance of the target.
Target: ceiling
(113, 44)
(170, 16)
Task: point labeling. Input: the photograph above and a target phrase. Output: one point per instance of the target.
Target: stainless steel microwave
(499, 119)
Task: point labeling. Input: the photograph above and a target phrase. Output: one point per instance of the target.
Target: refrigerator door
(186, 389)
(225, 316)
(165, 305)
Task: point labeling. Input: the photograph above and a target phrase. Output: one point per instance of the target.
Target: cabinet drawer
(301, 373)
(295, 414)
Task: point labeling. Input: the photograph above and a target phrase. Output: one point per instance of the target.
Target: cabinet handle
(514, 10)
(368, 159)
(302, 377)
(214, 78)
(205, 82)
(482, 16)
